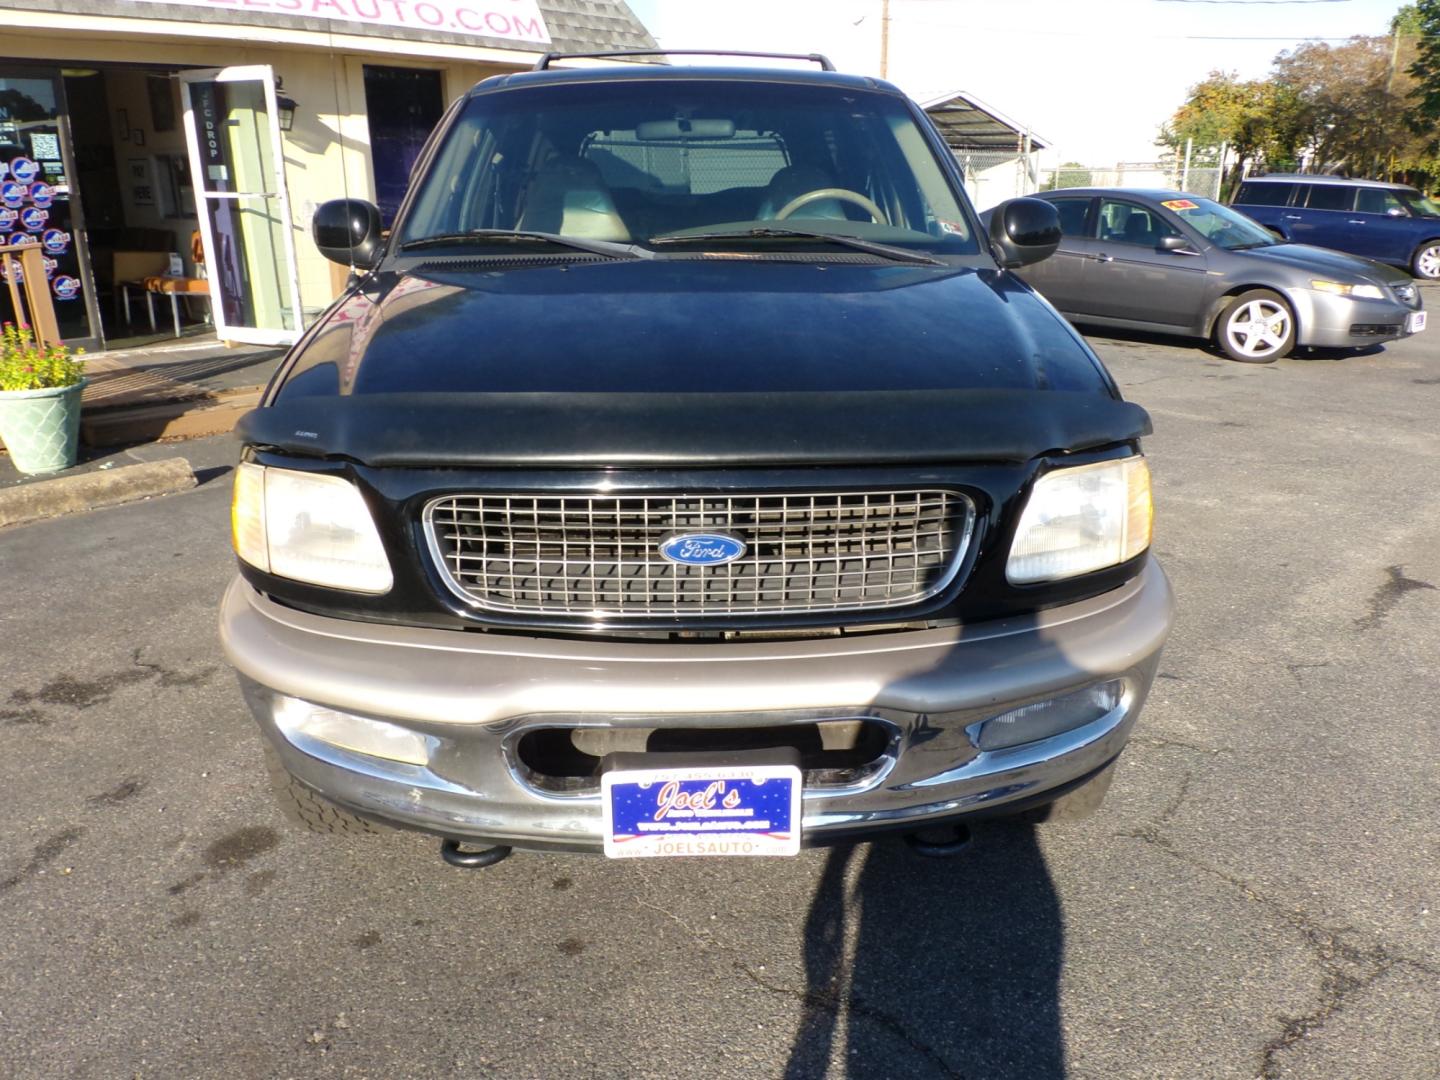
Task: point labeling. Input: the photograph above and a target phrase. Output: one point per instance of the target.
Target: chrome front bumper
(474, 694)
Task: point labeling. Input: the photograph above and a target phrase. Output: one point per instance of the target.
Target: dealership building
(194, 138)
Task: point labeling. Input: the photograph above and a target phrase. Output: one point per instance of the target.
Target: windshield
(1418, 204)
(1219, 224)
(630, 162)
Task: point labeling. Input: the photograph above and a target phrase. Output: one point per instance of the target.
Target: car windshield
(631, 162)
(1418, 204)
(1219, 224)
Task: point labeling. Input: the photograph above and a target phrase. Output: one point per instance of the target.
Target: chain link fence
(1196, 180)
(992, 176)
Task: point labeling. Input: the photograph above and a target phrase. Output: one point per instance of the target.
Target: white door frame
(264, 74)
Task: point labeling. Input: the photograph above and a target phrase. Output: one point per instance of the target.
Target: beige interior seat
(569, 196)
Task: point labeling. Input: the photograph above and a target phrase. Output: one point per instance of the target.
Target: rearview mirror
(1024, 231)
(684, 128)
(347, 231)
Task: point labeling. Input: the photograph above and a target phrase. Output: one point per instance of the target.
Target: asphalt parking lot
(1259, 897)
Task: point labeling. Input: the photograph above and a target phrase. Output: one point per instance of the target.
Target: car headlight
(1081, 519)
(308, 527)
(1340, 288)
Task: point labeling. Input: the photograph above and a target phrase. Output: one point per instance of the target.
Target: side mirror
(1024, 231)
(347, 231)
(1174, 243)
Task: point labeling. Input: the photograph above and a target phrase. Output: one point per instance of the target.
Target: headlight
(307, 527)
(1082, 519)
(1339, 288)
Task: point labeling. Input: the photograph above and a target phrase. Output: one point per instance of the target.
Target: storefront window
(36, 196)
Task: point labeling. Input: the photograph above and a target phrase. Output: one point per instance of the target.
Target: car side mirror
(1174, 243)
(1024, 231)
(347, 231)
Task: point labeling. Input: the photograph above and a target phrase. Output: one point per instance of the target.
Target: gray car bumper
(1329, 321)
(474, 696)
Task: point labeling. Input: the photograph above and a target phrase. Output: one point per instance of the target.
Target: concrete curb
(90, 491)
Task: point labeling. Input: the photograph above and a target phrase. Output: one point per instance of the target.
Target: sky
(1093, 78)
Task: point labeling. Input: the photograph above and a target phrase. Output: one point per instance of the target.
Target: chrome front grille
(599, 556)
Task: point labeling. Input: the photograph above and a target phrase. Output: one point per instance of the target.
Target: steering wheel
(843, 194)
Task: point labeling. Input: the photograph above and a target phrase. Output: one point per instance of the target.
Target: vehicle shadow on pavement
(920, 967)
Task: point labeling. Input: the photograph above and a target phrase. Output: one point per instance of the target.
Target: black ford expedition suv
(685, 473)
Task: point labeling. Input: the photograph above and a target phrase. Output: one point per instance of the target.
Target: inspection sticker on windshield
(1180, 204)
(725, 810)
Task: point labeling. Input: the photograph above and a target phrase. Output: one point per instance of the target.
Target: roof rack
(815, 58)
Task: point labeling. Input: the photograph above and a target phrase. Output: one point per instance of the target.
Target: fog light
(1043, 719)
(347, 731)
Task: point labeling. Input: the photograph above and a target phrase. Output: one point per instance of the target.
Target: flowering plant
(25, 365)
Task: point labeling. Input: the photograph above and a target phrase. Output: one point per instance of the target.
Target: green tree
(1249, 117)
(1424, 113)
(1349, 103)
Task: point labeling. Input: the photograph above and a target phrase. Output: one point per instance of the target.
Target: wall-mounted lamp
(285, 105)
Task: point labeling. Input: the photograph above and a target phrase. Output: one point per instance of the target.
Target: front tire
(1257, 328)
(306, 809)
(1426, 263)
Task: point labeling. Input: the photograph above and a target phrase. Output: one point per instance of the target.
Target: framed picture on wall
(162, 102)
(140, 178)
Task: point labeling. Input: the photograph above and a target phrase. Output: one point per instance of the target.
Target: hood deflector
(606, 429)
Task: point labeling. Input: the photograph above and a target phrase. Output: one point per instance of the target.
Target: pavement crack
(168, 678)
(1345, 968)
(1164, 742)
(834, 1002)
(1383, 599)
(1295, 668)
(812, 999)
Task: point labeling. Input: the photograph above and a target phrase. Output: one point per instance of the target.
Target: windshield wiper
(513, 236)
(884, 251)
(1256, 244)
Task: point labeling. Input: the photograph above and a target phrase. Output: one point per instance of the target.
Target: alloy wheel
(1258, 329)
(1427, 262)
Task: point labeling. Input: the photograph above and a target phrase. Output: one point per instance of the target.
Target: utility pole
(884, 38)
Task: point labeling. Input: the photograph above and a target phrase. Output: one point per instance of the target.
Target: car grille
(599, 556)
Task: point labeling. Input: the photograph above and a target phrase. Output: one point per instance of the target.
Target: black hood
(691, 326)
(689, 361)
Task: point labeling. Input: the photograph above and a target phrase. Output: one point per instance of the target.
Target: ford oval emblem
(702, 549)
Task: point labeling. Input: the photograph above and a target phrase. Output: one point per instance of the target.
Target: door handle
(1353, 221)
(1102, 257)
(1290, 217)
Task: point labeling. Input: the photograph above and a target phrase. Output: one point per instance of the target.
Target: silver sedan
(1174, 263)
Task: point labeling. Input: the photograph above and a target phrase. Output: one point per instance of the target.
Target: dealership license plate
(1415, 322)
(721, 810)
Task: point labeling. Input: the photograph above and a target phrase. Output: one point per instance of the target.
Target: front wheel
(1426, 263)
(1257, 328)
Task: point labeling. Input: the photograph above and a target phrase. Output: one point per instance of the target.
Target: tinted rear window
(1331, 197)
(1265, 194)
(1072, 215)
(1378, 201)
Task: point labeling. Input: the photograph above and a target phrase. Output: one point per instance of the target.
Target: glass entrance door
(233, 133)
(38, 199)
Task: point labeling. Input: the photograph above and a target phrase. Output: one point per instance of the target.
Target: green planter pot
(41, 428)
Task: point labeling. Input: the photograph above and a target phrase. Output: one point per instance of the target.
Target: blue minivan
(1390, 223)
